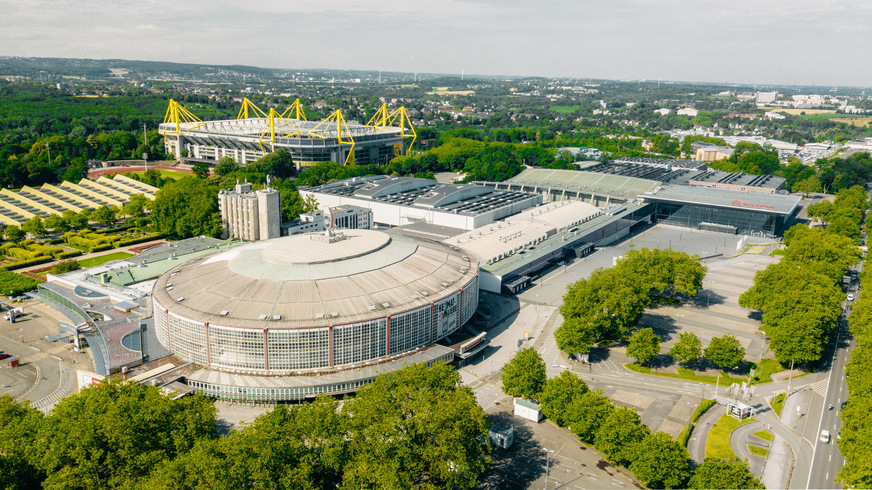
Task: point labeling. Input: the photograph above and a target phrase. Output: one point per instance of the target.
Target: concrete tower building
(250, 215)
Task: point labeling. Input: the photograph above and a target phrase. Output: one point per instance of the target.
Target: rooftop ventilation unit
(319, 316)
(223, 313)
(276, 318)
(262, 317)
(180, 299)
(334, 314)
(386, 304)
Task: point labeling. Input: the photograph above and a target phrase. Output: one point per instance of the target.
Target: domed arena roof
(306, 281)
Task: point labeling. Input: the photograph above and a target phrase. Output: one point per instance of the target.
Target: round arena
(296, 316)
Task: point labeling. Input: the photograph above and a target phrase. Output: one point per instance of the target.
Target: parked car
(851, 297)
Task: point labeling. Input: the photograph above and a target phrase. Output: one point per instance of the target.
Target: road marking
(831, 457)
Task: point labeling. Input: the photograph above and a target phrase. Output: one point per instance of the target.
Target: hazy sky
(818, 42)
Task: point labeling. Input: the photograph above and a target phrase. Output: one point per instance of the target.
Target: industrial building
(297, 316)
(511, 252)
(724, 210)
(601, 190)
(398, 201)
(256, 133)
(18, 207)
(249, 215)
(339, 217)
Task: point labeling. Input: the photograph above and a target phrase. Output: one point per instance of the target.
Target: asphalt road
(827, 460)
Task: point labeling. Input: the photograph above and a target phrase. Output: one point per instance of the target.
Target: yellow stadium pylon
(321, 132)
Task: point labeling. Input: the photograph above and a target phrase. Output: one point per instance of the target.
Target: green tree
(665, 271)
(586, 413)
(620, 436)
(798, 322)
(725, 351)
(76, 221)
(19, 425)
(661, 462)
(808, 185)
(56, 223)
(644, 345)
(687, 349)
(186, 208)
(723, 473)
(225, 166)
(105, 215)
(34, 226)
(847, 227)
(298, 446)
(65, 266)
(558, 394)
(201, 170)
(417, 427)
(112, 435)
(606, 305)
(524, 375)
(135, 206)
(14, 233)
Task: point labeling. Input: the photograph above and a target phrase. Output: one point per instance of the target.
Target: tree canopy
(524, 375)
(558, 394)
(609, 303)
(723, 473)
(725, 351)
(687, 349)
(644, 345)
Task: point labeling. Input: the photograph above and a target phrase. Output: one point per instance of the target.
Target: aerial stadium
(296, 316)
(255, 133)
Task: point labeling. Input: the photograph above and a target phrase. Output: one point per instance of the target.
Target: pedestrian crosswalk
(820, 387)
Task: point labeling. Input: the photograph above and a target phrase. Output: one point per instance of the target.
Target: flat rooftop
(725, 198)
(462, 199)
(739, 179)
(613, 185)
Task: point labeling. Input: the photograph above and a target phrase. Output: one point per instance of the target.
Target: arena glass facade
(281, 351)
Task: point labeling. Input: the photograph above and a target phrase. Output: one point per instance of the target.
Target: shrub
(101, 248)
(26, 263)
(65, 266)
(67, 255)
(134, 241)
(12, 284)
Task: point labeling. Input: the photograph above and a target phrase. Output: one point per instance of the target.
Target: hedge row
(67, 255)
(134, 241)
(118, 228)
(26, 263)
(100, 248)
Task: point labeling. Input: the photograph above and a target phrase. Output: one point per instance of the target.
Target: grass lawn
(764, 371)
(102, 259)
(165, 173)
(757, 450)
(566, 108)
(717, 445)
(777, 403)
(687, 374)
(764, 434)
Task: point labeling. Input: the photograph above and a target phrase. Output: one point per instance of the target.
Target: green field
(777, 403)
(558, 108)
(759, 451)
(165, 173)
(102, 259)
(717, 445)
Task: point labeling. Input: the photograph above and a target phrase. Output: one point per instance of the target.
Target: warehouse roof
(725, 198)
(558, 214)
(613, 185)
(463, 199)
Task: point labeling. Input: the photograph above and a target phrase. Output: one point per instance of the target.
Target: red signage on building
(737, 202)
